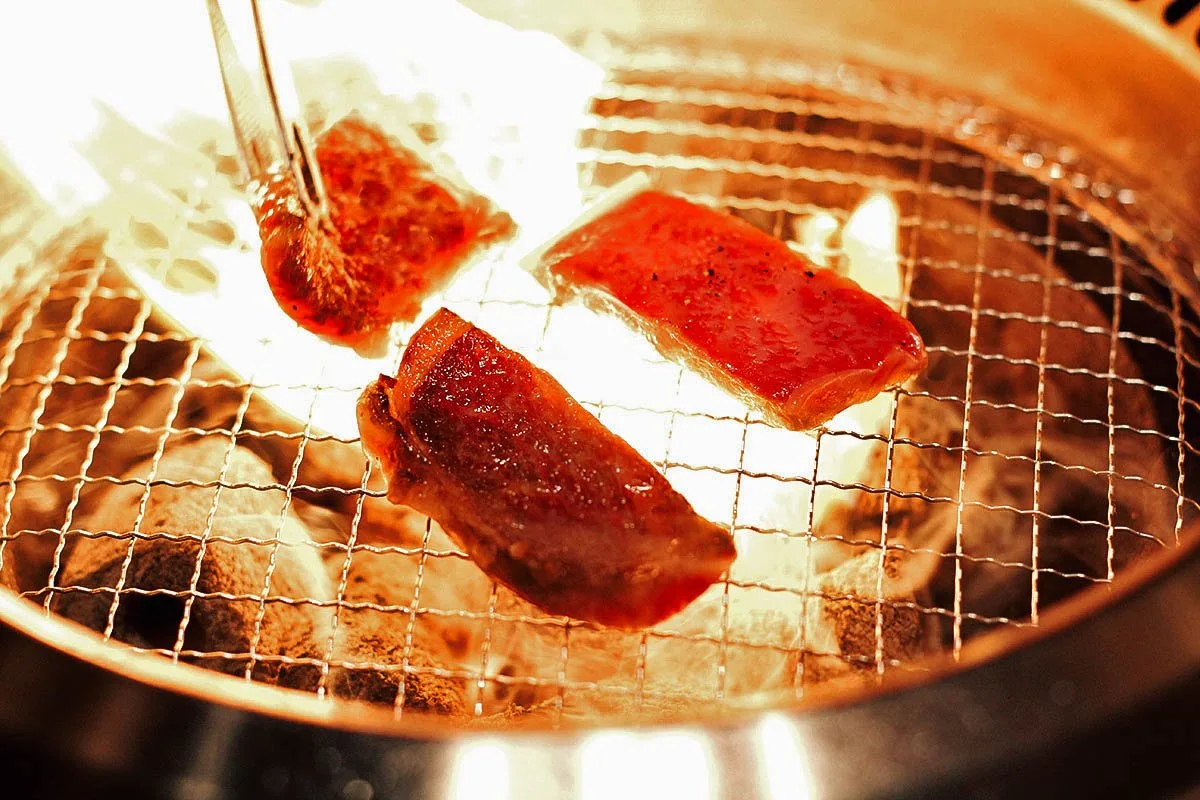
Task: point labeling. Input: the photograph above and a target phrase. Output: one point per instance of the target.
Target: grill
(1015, 281)
(1048, 449)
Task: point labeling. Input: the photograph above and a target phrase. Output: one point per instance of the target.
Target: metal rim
(969, 724)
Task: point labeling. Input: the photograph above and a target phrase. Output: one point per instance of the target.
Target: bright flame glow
(869, 242)
(782, 764)
(509, 129)
(814, 236)
(646, 766)
(480, 772)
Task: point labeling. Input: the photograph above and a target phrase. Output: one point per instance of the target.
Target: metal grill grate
(1047, 448)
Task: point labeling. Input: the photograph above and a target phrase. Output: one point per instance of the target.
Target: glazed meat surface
(395, 234)
(797, 342)
(538, 492)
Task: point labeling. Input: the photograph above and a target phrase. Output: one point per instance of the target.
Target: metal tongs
(263, 348)
(266, 147)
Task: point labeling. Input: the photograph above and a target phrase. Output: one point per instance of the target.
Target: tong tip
(307, 174)
(290, 142)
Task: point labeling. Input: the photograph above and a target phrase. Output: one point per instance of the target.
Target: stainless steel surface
(981, 183)
(1050, 719)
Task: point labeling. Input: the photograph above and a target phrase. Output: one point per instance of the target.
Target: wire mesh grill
(157, 498)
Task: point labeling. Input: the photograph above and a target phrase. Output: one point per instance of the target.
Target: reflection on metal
(632, 766)
(480, 771)
(783, 765)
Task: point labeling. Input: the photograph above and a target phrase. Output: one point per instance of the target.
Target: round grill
(158, 497)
